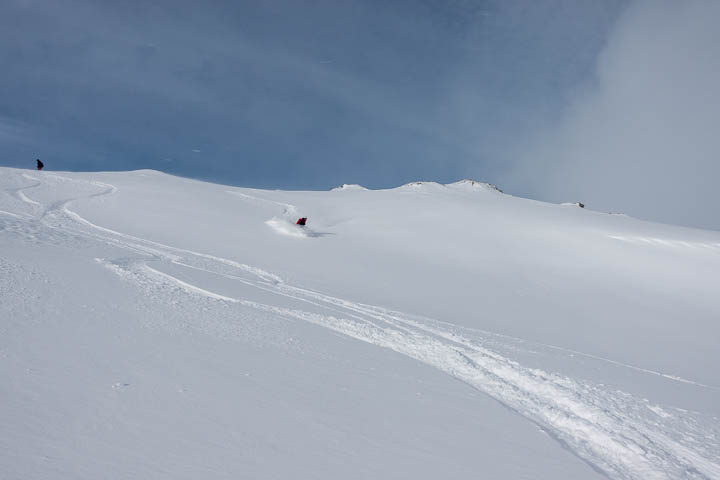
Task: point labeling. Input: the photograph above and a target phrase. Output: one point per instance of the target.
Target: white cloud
(644, 137)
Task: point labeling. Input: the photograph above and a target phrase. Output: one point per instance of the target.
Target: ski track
(288, 208)
(10, 214)
(19, 193)
(664, 242)
(617, 434)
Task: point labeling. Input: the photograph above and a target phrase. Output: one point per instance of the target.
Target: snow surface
(349, 186)
(160, 327)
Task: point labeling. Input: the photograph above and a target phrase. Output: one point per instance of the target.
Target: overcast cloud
(643, 137)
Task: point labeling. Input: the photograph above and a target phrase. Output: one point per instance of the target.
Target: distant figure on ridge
(301, 221)
(40, 164)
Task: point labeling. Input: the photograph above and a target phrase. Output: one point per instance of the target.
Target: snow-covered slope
(159, 327)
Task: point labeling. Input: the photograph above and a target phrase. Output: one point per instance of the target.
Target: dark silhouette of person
(40, 164)
(301, 221)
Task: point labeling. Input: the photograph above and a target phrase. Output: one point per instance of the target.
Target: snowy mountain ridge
(581, 341)
(460, 184)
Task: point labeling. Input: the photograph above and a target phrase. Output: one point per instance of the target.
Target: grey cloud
(643, 137)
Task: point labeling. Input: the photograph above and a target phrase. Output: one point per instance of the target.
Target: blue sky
(311, 94)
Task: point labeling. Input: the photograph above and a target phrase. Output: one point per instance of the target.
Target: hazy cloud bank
(644, 136)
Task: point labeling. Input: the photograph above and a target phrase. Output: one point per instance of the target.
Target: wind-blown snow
(152, 323)
(287, 227)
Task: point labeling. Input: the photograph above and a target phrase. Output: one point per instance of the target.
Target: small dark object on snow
(581, 205)
(301, 221)
(40, 164)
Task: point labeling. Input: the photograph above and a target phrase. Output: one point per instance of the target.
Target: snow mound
(468, 183)
(349, 186)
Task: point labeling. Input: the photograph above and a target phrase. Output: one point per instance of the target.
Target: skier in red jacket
(301, 221)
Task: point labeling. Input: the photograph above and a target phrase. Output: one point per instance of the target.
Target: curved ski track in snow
(665, 242)
(616, 433)
(20, 194)
(10, 214)
(288, 208)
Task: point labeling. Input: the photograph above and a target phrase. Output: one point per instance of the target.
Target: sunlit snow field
(158, 327)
